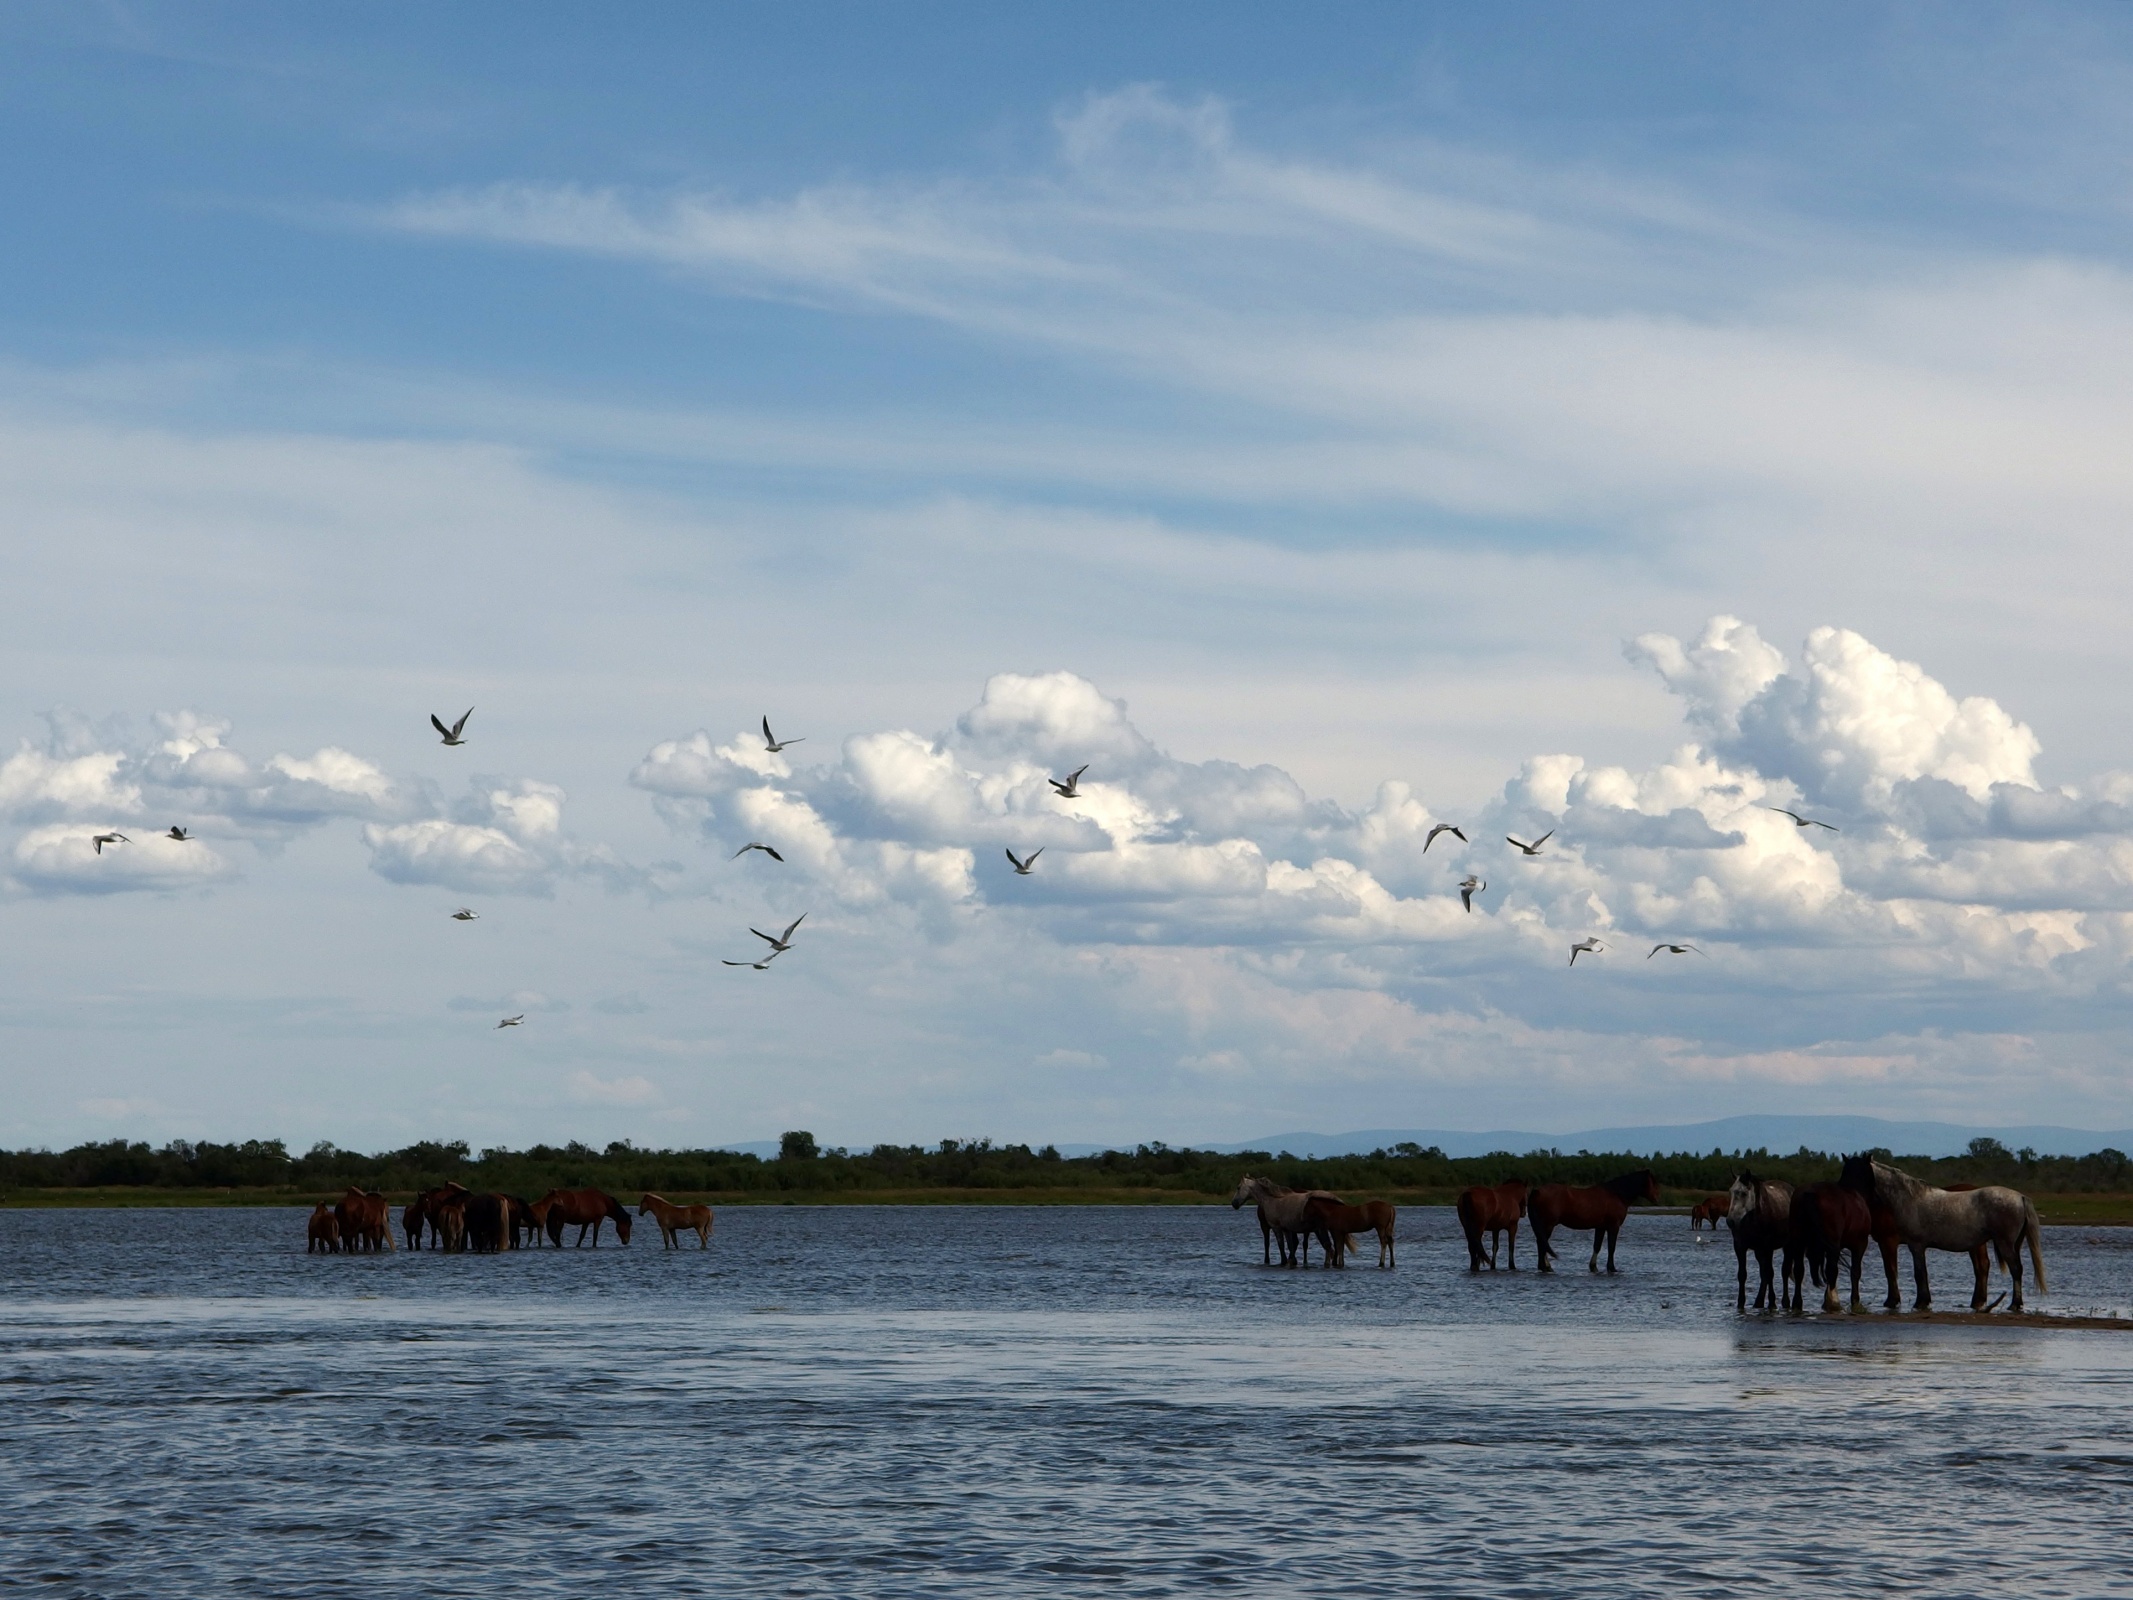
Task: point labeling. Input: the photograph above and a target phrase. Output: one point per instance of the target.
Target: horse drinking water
(588, 1208)
(1602, 1208)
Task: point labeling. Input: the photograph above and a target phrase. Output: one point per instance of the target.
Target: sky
(1607, 424)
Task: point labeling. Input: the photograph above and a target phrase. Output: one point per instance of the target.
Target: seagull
(1070, 788)
(178, 834)
(758, 965)
(1676, 949)
(1586, 947)
(451, 734)
(1021, 866)
(1532, 849)
(102, 839)
(1443, 827)
(512, 1022)
(776, 744)
(464, 915)
(1799, 821)
(783, 942)
(752, 845)
(1468, 888)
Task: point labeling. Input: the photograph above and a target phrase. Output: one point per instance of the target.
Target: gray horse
(1760, 1218)
(1961, 1220)
(1283, 1212)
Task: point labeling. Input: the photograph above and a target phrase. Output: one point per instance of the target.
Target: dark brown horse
(1491, 1211)
(488, 1223)
(1602, 1208)
(426, 1211)
(325, 1230)
(1335, 1219)
(588, 1208)
(1712, 1208)
(525, 1227)
(1761, 1220)
(1830, 1221)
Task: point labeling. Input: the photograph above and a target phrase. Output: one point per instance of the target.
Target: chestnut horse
(1602, 1208)
(588, 1208)
(673, 1218)
(1339, 1221)
(1491, 1212)
(1712, 1208)
(1830, 1221)
(365, 1218)
(325, 1233)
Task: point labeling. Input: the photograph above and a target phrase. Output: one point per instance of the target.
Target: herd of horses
(1793, 1233)
(453, 1217)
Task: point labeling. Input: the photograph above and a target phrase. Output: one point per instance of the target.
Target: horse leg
(1830, 1301)
(1894, 1300)
(1511, 1246)
(1266, 1243)
(1740, 1298)
(2014, 1270)
(1614, 1236)
(1980, 1264)
(1922, 1300)
(1540, 1244)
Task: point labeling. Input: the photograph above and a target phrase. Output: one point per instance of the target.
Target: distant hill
(1775, 1133)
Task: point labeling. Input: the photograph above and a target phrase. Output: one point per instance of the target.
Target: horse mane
(1629, 1185)
(1903, 1179)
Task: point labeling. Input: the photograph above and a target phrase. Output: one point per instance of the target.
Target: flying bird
(102, 839)
(1070, 788)
(512, 1022)
(758, 965)
(1676, 949)
(783, 942)
(178, 834)
(1532, 849)
(1468, 888)
(451, 734)
(752, 845)
(1443, 827)
(1587, 947)
(464, 915)
(1022, 866)
(776, 744)
(1799, 821)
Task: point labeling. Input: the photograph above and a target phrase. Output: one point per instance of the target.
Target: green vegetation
(2095, 1187)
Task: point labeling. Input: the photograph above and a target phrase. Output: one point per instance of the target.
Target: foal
(673, 1218)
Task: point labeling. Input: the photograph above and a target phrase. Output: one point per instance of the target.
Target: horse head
(1743, 1197)
(1246, 1192)
(1651, 1187)
(1858, 1175)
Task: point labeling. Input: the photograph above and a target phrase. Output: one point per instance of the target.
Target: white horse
(1281, 1211)
(1961, 1220)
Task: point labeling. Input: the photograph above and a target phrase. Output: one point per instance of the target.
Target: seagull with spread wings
(102, 839)
(1799, 821)
(752, 845)
(776, 744)
(1587, 947)
(1070, 787)
(452, 734)
(1469, 887)
(1676, 949)
(1443, 827)
(182, 835)
(760, 966)
(781, 942)
(1024, 863)
(1534, 848)
(512, 1022)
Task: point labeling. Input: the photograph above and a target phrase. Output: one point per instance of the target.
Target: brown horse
(588, 1208)
(1602, 1208)
(1339, 1221)
(1830, 1221)
(525, 1227)
(1491, 1212)
(673, 1218)
(488, 1223)
(447, 1209)
(426, 1210)
(365, 1218)
(325, 1235)
(1712, 1208)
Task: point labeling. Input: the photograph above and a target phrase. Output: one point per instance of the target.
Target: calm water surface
(964, 1401)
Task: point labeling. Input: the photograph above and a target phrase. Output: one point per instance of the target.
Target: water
(1014, 1402)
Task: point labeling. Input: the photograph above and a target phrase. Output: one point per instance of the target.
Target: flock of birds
(1067, 788)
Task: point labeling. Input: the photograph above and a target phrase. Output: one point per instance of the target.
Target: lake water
(1016, 1402)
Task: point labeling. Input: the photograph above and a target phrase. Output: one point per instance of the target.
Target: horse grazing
(1962, 1220)
(1335, 1219)
(588, 1208)
(1491, 1212)
(1760, 1216)
(325, 1231)
(673, 1218)
(365, 1218)
(1712, 1208)
(1829, 1221)
(488, 1223)
(1283, 1215)
(1602, 1208)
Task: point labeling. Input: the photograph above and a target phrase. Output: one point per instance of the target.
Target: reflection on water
(925, 1401)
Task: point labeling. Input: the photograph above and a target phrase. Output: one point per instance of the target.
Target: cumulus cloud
(504, 837)
(591, 1089)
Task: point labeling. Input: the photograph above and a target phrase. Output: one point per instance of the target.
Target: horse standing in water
(1282, 1214)
(588, 1208)
(365, 1218)
(1335, 1219)
(1887, 1233)
(325, 1230)
(1829, 1221)
(1963, 1221)
(1712, 1208)
(1492, 1212)
(489, 1223)
(673, 1218)
(1602, 1208)
(1761, 1220)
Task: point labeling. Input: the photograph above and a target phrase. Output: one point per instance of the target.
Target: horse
(488, 1218)
(1601, 1208)
(1887, 1234)
(673, 1218)
(1829, 1220)
(523, 1222)
(364, 1216)
(1712, 1208)
(447, 1208)
(1491, 1212)
(413, 1219)
(1341, 1221)
(588, 1208)
(427, 1208)
(1760, 1215)
(1962, 1220)
(325, 1231)
(1282, 1213)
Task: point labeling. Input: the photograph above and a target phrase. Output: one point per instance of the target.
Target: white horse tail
(2033, 1231)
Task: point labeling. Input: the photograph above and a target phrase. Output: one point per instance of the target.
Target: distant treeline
(802, 1168)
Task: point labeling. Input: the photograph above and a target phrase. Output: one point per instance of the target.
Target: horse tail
(2033, 1231)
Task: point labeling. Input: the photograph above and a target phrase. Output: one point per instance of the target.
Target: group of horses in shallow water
(1296, 1217)
(453, 1217)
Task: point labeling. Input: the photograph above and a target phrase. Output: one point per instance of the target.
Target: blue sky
(1524, 418)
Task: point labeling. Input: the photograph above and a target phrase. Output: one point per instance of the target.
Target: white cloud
(505, 837)
(591, 1089)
